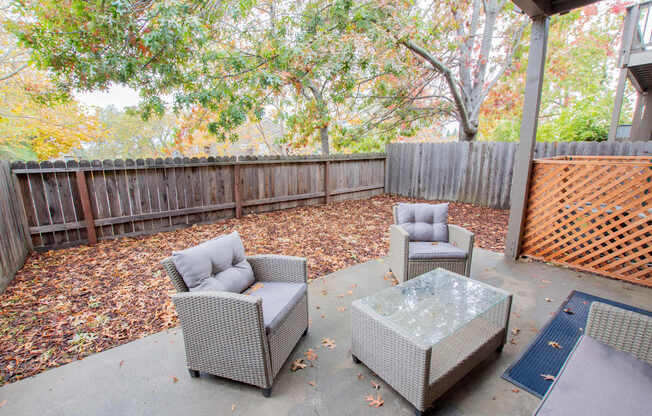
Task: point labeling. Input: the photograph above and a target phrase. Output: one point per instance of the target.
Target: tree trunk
(323, 133)
(464, 136)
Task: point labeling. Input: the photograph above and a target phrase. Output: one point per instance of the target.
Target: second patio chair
(422, 240)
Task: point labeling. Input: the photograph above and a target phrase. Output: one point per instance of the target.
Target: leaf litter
(64, 305)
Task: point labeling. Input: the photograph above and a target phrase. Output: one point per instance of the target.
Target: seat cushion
(418, 250)
(215, 265)
(599, 380)
(279, 298)
(424, 222)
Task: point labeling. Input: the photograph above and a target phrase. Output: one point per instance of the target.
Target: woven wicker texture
(275, 268)
(285, 338)
(421, 373)
(593, 214)
(224, 333)
(622, 329)
(406, 269)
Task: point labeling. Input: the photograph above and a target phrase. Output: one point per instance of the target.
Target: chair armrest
(221, 329)
(461, 237)
(275, 268)
(215, 308)
(398, 251)
(621, 329)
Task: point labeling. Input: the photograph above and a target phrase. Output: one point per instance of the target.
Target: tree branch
(469, 128)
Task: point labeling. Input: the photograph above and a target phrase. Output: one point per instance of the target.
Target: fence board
(14, 244)
(478, 173)
(129, 198)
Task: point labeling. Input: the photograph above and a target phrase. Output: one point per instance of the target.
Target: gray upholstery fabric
(599, 380)
(424, 222)
(426, 251)
(215, 265)
(279, 298)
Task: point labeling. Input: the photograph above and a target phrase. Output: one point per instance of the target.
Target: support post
(237, 188)
(618, 104)
(643, 129)
(327, 191)
(638, 113)
(531, 105)
(86, 207)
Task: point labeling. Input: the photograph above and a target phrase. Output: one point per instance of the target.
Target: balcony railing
(637, 31)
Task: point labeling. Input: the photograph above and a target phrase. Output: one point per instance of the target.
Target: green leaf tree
(235, 59)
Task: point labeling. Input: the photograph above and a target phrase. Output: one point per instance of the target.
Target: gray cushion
(599, 380)
(424, 222)
(426, 250)
(215, 265)
(279, 298)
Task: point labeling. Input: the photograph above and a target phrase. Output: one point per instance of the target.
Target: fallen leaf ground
(67, 304)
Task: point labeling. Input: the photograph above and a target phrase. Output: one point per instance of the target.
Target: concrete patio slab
(148, 376)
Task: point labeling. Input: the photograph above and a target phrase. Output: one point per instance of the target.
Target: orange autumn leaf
(310, 355)
(298, 364)
(375, 402)
(554, 344)
(328, 343)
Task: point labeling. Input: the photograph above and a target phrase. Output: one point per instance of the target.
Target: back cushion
(424, 222)
(215, 265)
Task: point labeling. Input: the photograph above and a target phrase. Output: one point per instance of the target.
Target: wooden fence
(478, 173)
(13, 238)
(593, 214)
(71, 203)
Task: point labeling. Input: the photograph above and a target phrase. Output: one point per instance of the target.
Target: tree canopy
(332, 75)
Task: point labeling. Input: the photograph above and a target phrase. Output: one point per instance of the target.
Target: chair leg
(267, 392)
(193, 373)
(305, 332)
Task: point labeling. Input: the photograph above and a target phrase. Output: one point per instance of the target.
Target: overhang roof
(535, 8)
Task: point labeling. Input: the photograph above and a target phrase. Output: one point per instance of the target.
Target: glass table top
(434, 305)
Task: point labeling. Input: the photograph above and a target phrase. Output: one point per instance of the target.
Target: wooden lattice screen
(592, 213)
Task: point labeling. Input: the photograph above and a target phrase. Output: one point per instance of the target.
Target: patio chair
(244, 336)
(421, 240)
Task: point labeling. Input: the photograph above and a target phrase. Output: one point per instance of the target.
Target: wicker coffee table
(425, 334)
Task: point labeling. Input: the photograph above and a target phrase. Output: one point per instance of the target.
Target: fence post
(237, 195)
(327, 195)
(86, 206)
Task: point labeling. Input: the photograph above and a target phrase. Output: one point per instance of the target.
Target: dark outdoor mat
(540, 358)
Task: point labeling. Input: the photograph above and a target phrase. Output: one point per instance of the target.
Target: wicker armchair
(405, 268)
(224, 333)
(621, 329)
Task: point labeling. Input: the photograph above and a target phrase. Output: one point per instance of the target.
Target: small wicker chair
(405, 268)
(224, 333)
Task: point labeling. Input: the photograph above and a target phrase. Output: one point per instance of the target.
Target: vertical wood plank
(327, 186)
(86, 207)
(237, 190)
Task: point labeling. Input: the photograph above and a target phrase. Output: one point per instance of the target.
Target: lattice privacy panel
(592, 213)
